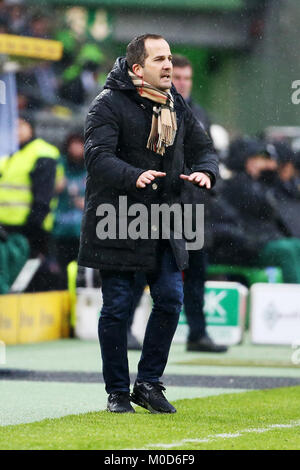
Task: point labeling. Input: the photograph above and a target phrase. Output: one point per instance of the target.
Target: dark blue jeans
(194, 284)
(117, 288)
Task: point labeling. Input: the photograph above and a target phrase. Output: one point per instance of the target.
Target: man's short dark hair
(181, 61)
(136, 52)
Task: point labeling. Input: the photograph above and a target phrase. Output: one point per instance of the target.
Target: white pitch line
(214, 437)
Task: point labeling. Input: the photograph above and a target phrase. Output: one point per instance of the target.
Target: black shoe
(150, 395)
(119, 402)
(132, 342)
(205, 344)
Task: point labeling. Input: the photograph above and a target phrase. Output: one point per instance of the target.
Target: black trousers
(117, 288)
(194, 281)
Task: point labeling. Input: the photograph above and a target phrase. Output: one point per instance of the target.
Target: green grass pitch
(265, 419)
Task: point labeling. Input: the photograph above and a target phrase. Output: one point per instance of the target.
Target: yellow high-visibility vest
(16, 186)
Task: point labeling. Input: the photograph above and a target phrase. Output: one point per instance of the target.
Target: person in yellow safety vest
(27, 184)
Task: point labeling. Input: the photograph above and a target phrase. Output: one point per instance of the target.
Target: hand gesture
(147, 177)
(198, 178)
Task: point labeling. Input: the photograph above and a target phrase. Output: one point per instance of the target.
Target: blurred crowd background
(244, 57)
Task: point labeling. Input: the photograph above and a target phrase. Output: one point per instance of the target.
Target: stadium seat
(14, 253)
(252, 275)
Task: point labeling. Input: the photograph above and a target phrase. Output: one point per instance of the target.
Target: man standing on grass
(142, 145)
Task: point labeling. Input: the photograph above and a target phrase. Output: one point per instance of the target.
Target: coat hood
(118, 78)
(241, 149)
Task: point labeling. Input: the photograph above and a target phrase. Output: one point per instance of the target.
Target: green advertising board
(225, 310)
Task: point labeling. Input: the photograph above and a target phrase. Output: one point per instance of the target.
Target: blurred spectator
(183, 80)
(286, 188)
(71, 201)
(38, 86)
(40, 83)
(40, 26)
(81, 80)
(27, 180)
(232, 244)
(69, 83)
(18, 20)
(250, 193)
(287, 183)
(4, 18)
(25, 103)
(68, 38)
(3, 25)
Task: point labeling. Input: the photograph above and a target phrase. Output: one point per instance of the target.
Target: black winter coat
(287, 195)
(256, 207)
(116, 133)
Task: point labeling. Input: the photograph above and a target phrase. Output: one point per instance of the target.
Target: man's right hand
(147, 177)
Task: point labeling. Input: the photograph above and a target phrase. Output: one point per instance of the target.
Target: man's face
(76, 150)
(256, 164)
(287, 171)
(158, 67)
(24, 131)
(183, 80)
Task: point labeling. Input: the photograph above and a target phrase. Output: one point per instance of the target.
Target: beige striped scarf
(164, 126)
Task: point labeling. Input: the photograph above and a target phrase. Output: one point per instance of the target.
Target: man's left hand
(201, 179)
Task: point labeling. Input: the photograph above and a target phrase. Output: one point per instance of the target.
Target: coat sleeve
(43, 181)
(199, 152)
(101, 140)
